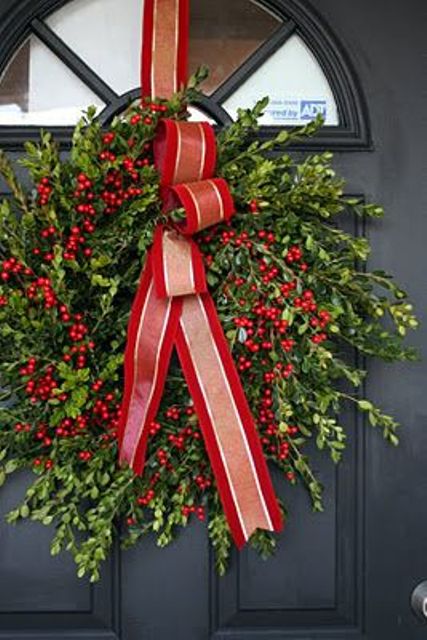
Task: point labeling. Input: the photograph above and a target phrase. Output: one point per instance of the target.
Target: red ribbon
(173, 307)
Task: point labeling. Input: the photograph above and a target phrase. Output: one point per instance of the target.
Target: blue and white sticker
(296, 110)
(310, 109)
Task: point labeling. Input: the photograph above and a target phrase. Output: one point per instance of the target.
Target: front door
(349, 572)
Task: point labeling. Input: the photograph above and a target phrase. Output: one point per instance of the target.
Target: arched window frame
(353, 132)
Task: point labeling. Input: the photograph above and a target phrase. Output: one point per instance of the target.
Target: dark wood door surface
(350, 571)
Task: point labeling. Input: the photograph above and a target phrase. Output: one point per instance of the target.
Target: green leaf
(24, 511)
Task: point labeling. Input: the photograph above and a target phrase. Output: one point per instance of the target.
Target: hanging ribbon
(173, 307)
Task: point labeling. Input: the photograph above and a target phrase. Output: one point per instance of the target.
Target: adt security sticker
(310, 109)
(295, 110)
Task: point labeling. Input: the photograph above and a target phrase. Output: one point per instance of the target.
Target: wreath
(290, 288)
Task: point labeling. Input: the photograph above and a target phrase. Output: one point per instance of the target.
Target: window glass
(224, 33)
(296, 84)
(197, 115)
(37, 88)
(107, 35)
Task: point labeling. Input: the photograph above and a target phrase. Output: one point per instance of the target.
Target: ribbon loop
(184, 151)
(206, 203)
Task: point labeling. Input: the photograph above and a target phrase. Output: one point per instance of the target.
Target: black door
(346, 573)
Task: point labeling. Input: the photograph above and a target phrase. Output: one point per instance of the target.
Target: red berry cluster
(76, 240)
(47, 232)
(287, 288)
(276, 442)
(203, 482)
(42, 434)
(107, 156)
(106, 413)
(69, 428)
(41, 386)
(44, 190)
(22, 427)
(231, 237)
(306, 303)
(115, 193)
(265, 321)
(267, 237)
(76, 351)
(137, 118)
(323, 319)
(12, 267)
(78, 329)
(173, 413)
(108, 138)
(41, 291)
(85, 455)
(144, 500)
(29, 368)
(270, 273)
(179, 440)
(295, 255)
(243, 363)
(97, 385)
(48, 464)
(154, 428)
(85, 196)
(199, 511)
(163, 459)
(156, 108)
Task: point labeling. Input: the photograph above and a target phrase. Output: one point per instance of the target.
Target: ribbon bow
(173, 308)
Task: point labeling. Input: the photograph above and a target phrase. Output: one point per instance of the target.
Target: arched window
(87, 52)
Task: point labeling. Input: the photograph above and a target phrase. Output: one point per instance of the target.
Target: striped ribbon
(173, 307)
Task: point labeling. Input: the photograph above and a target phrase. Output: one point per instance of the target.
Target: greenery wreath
(291, 293)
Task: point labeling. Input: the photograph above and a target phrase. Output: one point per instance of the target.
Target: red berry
(253, 206)
(108, 138)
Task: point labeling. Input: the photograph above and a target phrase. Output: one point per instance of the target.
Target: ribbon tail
(240, 469)
(151, 332)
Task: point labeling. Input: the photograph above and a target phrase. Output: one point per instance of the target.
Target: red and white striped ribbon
(164, 47)
(174, 308)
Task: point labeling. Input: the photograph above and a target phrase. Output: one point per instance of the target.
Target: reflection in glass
(14, 83)
(37, 88)
(296, 84)
(223, 34)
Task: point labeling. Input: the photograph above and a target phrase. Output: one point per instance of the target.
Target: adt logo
(309, 109)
